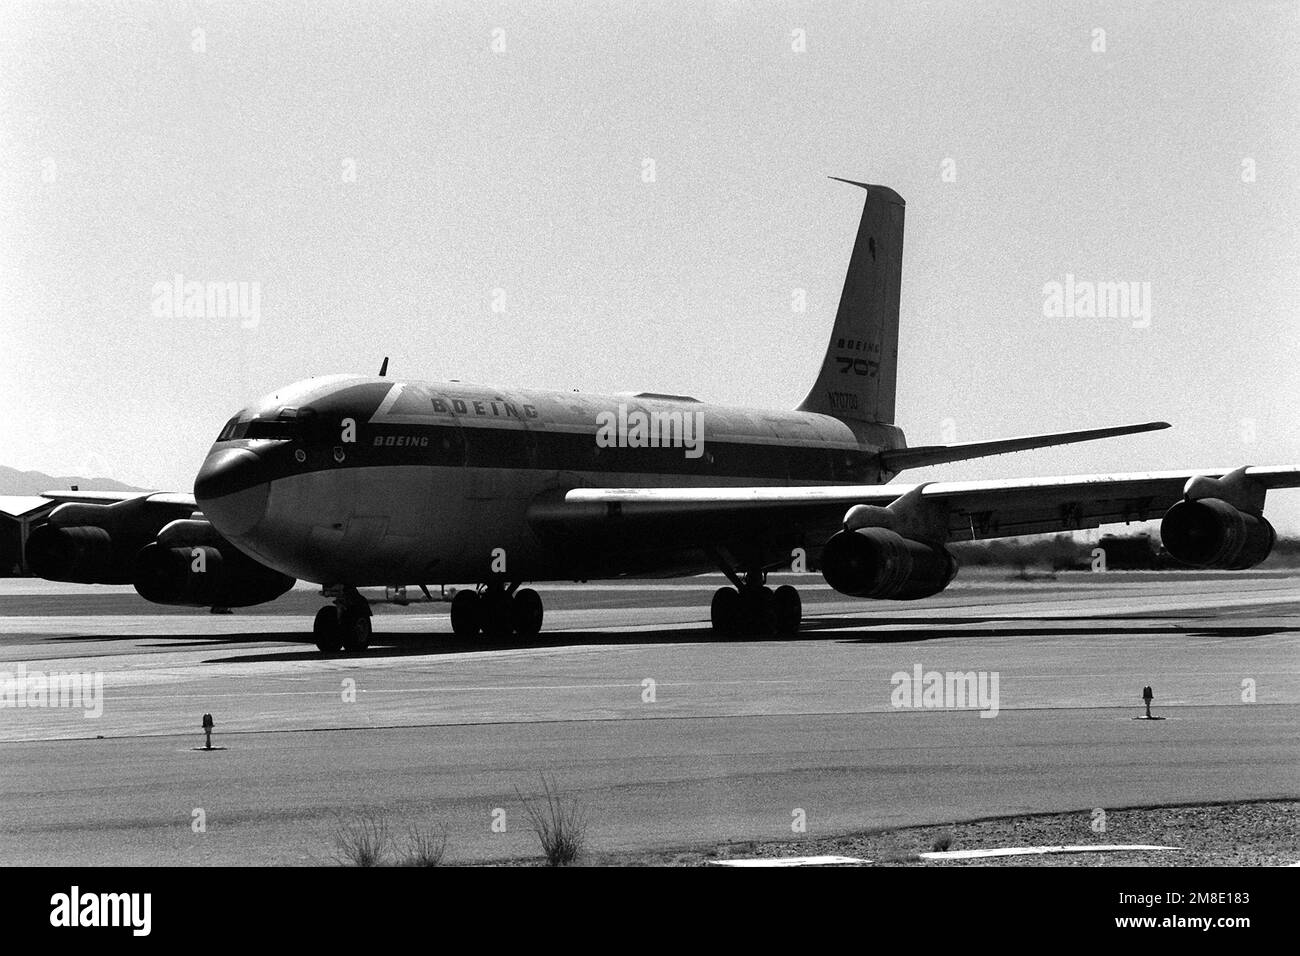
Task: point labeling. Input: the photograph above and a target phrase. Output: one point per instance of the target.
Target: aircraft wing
(178, 499)
(961, 510)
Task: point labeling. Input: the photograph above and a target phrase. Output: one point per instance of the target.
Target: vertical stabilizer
(859, 373)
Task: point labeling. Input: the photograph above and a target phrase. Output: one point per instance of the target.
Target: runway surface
(728, 743)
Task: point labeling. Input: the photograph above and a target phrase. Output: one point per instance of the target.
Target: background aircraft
(353, 481)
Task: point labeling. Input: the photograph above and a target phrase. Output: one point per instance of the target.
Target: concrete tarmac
(664, 736)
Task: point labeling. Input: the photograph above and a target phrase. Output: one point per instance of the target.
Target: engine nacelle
(192, 565)
(96, 543)
(879, 563)
(81, 553)
(1210, 533)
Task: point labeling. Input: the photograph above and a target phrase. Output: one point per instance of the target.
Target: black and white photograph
(642, 436)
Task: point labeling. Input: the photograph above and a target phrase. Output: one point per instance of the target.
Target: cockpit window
(272, 428)
(228, 433)
(287, 426)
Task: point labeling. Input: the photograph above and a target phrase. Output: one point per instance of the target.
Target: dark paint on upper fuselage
(437, 477)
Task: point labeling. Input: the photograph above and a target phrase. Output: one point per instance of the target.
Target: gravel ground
(1234, 834)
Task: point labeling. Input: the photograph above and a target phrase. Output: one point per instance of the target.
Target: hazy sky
(387, 176)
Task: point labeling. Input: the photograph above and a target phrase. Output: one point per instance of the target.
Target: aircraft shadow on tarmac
(850, 630)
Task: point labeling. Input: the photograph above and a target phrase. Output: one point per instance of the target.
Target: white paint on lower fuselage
(386, 524)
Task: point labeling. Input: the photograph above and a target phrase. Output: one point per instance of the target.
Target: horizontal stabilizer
(900, 459)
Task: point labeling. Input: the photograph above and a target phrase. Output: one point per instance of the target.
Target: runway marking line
(1035, 850)
(792, 861)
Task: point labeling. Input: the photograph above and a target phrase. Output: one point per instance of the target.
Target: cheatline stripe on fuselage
(536, 449)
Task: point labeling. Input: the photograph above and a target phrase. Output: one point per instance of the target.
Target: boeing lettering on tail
(352, 481)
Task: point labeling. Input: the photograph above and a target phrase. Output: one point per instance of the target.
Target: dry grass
(561, 827)
(367, 841)
(425, 847)
(364, 841)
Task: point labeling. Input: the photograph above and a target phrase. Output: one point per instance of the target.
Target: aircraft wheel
(464, 614)
(526, 613)
(354, 626)
(766, 603)
(494, 613)
(326, 630)
(756, 613)
(724, 612)
(787, 610)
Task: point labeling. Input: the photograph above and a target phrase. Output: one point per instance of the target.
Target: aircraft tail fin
(859, 373)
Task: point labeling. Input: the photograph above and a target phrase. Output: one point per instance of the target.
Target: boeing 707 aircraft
(352, 481)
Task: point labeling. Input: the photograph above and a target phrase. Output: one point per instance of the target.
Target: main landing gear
(497, 611)
(344, 624)
(751, 608)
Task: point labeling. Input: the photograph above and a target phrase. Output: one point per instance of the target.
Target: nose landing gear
(344, 624)
(497, 612)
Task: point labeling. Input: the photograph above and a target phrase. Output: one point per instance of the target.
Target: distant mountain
(15, 482)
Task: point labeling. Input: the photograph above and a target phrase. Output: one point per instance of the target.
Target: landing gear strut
(343, 624)
(497, 612)
(751, 608)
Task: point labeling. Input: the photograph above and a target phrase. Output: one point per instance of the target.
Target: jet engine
(153, 543)
(192, 565)
(96, 544)
(83, 554)
(876, 562)
(1211, 533)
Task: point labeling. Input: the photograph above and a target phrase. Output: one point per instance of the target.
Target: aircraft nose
(231, 488)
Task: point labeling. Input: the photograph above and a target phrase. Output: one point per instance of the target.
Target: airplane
(352, 481)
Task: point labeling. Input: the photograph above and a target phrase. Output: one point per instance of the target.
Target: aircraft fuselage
(370, 481)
